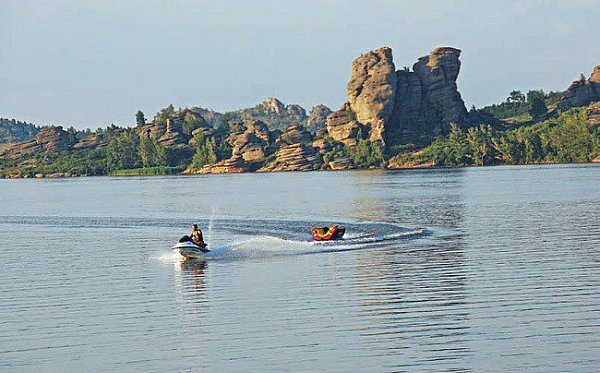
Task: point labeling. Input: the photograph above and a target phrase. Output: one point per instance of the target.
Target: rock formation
(253, 142)
(173, 135)
(152, 131)
(295, 157)
(295, 135)
(53, 139)
(582, 92)
(235, 164)
(273, 113)
(318, 118)
(372, 88)
(397, 106)
(342, 126)
(23, 149)
(438, 73)
(340, 163)
(594, 114)
(48, 140)
(94, 141)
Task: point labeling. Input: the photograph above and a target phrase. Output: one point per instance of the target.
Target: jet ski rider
(196, 236)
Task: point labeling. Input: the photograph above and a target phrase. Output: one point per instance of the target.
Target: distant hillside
(273, 113)
(517, 107)
(392, 119)
(12, 130)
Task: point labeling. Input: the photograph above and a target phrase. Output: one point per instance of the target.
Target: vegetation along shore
(406, 118)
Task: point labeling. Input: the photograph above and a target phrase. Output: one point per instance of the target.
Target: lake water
(479, 269)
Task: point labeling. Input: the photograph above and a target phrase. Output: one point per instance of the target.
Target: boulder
(295, 157)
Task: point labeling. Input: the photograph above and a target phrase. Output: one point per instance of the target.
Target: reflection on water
(191, 276)
(504, 276)
(413, 305)
(415, 198)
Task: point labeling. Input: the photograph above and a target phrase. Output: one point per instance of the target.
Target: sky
(89, 63)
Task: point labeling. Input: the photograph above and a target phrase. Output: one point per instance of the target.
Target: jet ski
(189, 249)
(335, 232)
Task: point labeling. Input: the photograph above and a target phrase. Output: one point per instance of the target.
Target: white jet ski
(190, 250)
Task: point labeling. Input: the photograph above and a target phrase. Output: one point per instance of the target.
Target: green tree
(140, 120)
(479, 140)
(205, 152)
(537, 107)
(151, 153)
(191, 122)
(516, 97)
(122, 151)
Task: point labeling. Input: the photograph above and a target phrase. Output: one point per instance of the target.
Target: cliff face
(582, 92)
(397, 105)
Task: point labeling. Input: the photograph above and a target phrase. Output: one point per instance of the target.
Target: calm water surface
(482, 269)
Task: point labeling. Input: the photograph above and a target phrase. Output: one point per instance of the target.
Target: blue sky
(92, 63)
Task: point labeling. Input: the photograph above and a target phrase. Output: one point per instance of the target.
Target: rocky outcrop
(213, 118)
(94, 141)
(322, 146)
(295, 135)
(53, 139)
(582, 92)
(273, 113)
(438, 73)
(296, 157)
(594, 114)
(343, 127)
(172, 136)
(152, 131)
(23, 150)
(235, 164)
(318, 118)
(253, 143)
(340, 163)
(48, 140)
(372, 88)
(399, 106)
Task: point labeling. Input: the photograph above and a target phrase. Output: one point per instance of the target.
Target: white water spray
(210, 225)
